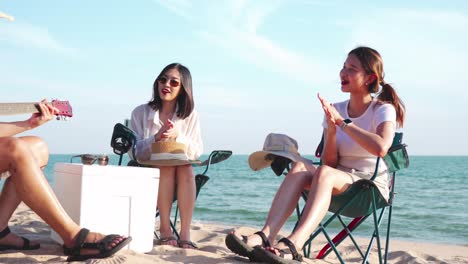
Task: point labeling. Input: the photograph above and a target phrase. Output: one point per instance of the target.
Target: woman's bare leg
(326, 182)
(165, 199)
(186, 191)
(284, 202)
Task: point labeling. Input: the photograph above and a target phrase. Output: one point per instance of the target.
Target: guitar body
(64, 107)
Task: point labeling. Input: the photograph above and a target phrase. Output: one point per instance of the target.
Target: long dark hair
(185, 103)
(372, 63)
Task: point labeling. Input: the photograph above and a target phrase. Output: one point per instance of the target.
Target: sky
(256, 65)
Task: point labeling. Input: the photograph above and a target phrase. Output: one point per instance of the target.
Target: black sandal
(74, 253)
(263, 255)
(26, 243)
(182, 243)
(240, 247)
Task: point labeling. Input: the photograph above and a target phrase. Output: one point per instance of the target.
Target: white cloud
(406, 39)
(233, 26)
(179, 7)
(265, 54)
(33, 36)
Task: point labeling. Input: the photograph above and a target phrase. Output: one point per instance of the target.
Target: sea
(430, 205)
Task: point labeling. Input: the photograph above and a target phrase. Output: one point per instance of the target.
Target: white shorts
(381, 181)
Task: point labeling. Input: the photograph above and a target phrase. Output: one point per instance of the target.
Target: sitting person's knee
(297, 167)
(323, 173)
(16, 148)
(185, 174)
(41, 150)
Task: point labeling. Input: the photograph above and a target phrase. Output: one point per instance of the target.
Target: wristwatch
(345, 123)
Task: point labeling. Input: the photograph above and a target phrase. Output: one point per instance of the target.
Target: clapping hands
(167, 132)
(331, 113)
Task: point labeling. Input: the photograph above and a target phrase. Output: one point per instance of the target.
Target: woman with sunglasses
(356, 131)
(170, 115)
(21, 163)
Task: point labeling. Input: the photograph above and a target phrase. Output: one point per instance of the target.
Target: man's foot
(87, 245)
(10, 241)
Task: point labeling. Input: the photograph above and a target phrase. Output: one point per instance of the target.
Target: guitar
(65, 109)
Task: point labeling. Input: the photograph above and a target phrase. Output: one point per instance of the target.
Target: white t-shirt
(354, 157)
(145, 123)
(351, 154)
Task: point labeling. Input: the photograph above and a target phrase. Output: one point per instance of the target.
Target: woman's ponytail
(389, 95)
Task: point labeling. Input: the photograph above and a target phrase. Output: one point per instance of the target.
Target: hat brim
(170, 162)
(257, 159)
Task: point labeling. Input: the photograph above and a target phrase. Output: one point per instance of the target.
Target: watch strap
(345, 123)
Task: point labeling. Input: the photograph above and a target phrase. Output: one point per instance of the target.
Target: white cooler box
(110, 200)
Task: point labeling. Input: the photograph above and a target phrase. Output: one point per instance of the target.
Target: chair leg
(340, 237)
(174, 230)
(330, 242)
(388, 234)
(375, 234)
(377, 225)
(348, 229)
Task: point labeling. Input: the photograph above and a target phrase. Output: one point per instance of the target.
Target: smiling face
(353, 76)
(169, 85)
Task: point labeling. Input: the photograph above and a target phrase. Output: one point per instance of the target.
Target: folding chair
(124, 141)
(359, 202)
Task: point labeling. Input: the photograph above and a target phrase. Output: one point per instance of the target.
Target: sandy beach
(210, 239)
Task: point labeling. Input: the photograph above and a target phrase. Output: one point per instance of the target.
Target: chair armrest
(216, 156)
(123, 140)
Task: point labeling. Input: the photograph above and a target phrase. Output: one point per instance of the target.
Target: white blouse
(145, 123)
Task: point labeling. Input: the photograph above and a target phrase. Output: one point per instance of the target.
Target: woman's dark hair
(185, 103)
(372, 63)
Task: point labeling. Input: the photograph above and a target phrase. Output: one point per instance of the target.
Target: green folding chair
(124, 141)
(359, 202)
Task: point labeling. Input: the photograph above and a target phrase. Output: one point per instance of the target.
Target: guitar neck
(18, 108)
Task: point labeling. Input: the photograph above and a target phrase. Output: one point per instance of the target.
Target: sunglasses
(89, 159)
(172, 82)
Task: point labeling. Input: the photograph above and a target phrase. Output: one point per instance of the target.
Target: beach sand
(210, 239)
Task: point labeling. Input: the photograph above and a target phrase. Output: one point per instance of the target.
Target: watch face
(347, 121)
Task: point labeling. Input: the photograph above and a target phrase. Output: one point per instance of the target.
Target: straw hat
(168, 148)
(276, 144)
